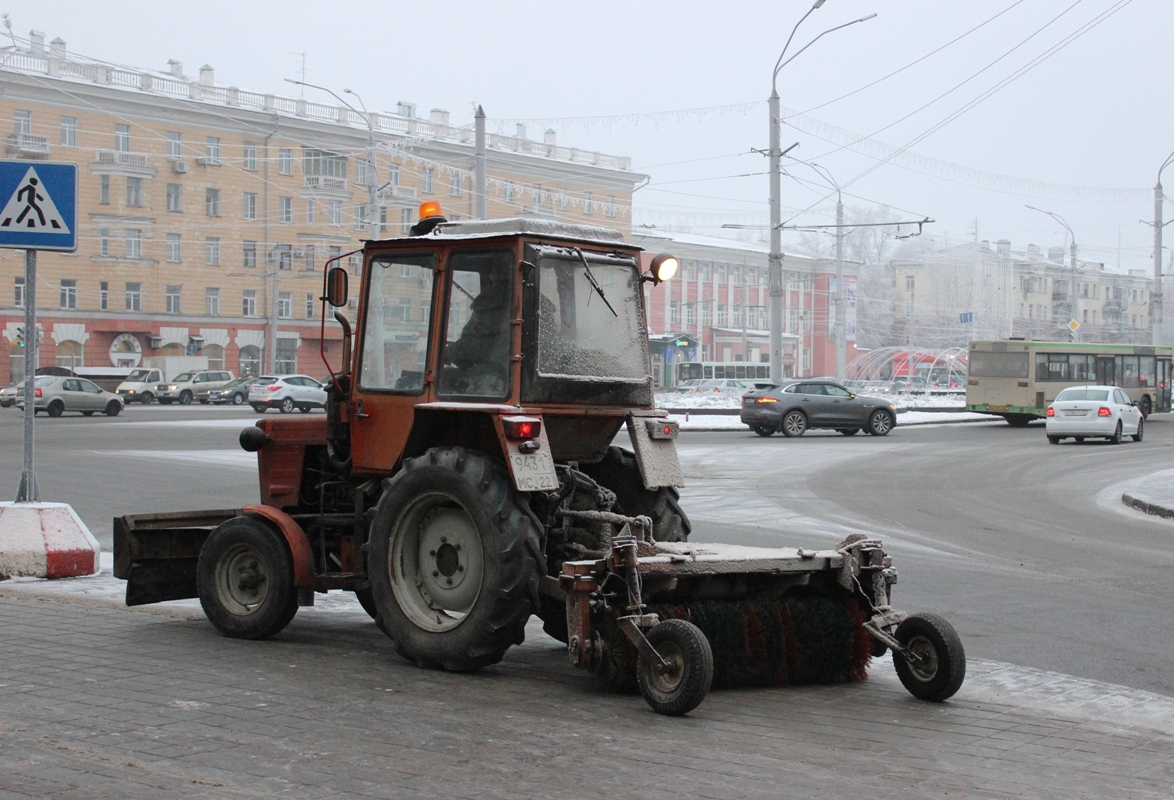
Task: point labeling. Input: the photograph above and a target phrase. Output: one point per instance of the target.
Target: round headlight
(664, 267)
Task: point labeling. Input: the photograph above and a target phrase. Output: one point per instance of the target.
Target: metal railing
(326, 182)
(28, 144)
(124, 159)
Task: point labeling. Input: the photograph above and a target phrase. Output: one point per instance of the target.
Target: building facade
(718, 306)
(207, 212)
(982, 290)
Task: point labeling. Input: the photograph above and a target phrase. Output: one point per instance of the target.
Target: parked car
(184, 386)
(286, 392)
(797, 405)
(235, 392)
(8, 394)
(1082, 412)
(55, 395)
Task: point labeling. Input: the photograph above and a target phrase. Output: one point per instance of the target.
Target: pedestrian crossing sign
(38, 205)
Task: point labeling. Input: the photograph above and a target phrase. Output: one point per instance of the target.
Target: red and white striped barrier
(45, 540)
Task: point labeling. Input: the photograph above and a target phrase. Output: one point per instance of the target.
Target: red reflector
(668, 430)
(1051, 412)
(1104, 412)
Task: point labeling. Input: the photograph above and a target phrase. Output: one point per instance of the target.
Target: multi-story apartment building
(717, 308)
(207, 212)
(984, 291)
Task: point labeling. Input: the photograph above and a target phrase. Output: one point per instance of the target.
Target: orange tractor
(464, 478)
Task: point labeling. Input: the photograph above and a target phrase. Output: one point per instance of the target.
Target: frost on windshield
(578, 335)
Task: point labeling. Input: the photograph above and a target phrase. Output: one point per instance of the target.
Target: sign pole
(29, 492)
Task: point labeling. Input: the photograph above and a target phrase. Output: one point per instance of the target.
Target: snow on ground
(675, 400)
(730, 422)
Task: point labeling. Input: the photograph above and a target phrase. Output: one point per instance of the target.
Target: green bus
(1017, 379)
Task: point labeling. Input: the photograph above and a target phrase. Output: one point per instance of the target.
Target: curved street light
(1156, 289)
(776, 244)
(1072, 295)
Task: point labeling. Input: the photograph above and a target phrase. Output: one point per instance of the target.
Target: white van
(139, 386)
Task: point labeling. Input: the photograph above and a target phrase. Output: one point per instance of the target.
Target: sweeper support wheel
(938, 663)
(680, 682)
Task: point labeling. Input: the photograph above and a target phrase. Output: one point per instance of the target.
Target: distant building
(207, 211)
(982, 290)
(718, 306)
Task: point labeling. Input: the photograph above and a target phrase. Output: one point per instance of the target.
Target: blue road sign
(38, 205)
(966, 317)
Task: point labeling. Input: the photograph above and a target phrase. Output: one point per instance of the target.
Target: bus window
(1146, 372)
(1127, 372)
(998, 365)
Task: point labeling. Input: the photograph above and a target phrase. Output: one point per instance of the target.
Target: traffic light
(20, 336)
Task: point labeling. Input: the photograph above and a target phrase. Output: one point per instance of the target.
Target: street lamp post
(841, 292)
(776, 243)
(1156, 289)
(1072, 294)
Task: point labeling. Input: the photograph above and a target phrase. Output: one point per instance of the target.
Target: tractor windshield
(579, 335)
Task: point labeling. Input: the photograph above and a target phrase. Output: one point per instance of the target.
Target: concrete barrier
(45, 540)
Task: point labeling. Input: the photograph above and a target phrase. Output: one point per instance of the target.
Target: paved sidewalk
(1153, 494)
(102, 702)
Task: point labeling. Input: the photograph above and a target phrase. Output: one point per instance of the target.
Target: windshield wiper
(594, 283)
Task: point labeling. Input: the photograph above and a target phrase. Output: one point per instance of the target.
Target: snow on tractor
(464, 477)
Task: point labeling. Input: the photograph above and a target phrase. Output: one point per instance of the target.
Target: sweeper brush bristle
(801, 638)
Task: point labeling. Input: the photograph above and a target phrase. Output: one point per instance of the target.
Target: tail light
(1104, 411)
(717, 388)
(766, 400)
(1051, 412)
(521, 427)
(39, 392)
(274, 388)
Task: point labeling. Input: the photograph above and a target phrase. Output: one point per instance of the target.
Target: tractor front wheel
(245, 579)
(454, 561)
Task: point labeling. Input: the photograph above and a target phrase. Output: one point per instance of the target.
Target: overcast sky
(1096, 114)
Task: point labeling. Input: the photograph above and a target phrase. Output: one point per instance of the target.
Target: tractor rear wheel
(619, 472)
(245, 579)
(454, 561)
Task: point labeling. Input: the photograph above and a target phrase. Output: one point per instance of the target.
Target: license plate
(1075, 413)
(533, 472)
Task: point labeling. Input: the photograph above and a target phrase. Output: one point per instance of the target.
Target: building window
(103, 296)
(536, 193)
(284, 305)
(69, 131)
(249, 303)
(174, 248)
(174, 197)
(588, 203)
(212, 302)
(20, 291)
(174, 145)
(335, 209)
(285, 161)
(454, 187)
(363, 169)
(675, 312)
(173, 299)
(910, 283)
(134, 243)
(286, 357)
(215, 355)
(250, 361)
(212, 202)
(309, 210)
(427, 182)
(104, 190)
(251, 157)
(285, 209)
(212, 150)
(705, 313)
(309, 255)
(212, 251)
(563, 201)
(134, 192)
(360, 216)
(104, 242)
(250, 205)
(509, 191)
(721, 314)
(323, 163)
(309, 305)
(22, 122)
(134, 297)
(122, 138)
(405, 220)
(70, 354)
(250, 254)
(283, 254)
(610, 208)
(68, 294)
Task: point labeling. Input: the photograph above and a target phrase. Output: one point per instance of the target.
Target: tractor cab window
(477, 341)
(395, 335)
(590, 323)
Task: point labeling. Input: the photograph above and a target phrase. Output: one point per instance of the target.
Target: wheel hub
(667, 678)
(925, 662)
(439, 575)
(244, 578)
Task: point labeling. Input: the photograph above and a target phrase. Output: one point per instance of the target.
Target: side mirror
(851, 396)
(336, 287)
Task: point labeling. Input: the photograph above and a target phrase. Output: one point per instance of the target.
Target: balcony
(27, 145)
(1060, 296)
(397, 195)
(124, 159)
(325, 183)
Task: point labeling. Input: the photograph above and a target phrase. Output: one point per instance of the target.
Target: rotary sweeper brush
(464, 477)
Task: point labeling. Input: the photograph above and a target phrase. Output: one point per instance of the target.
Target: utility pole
(1073, 295)
(1156, 289)
(479, 177)
(841, 294)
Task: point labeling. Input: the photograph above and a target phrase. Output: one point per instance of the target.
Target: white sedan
(1081, 412)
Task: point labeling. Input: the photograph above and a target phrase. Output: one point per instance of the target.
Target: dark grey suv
(796, 405)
